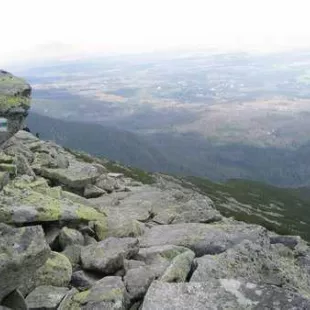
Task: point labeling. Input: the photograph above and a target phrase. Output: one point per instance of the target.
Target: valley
(220, 116)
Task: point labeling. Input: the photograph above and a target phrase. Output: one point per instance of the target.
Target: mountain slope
(101, 141)
(283, 210)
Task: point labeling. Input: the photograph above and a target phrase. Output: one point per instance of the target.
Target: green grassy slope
(283, 210)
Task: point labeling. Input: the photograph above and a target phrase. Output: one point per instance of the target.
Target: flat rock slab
(77, 175)
(22, 202)
(108, 255)
(166, 206)
(46, 297)
(22, 252)
(203, 238)
(220, 294)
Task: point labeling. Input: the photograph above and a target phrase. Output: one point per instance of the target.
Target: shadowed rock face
(14, 103)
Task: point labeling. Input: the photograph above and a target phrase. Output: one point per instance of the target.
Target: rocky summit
(78, 232)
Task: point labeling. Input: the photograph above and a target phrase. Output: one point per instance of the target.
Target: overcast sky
(38, 29)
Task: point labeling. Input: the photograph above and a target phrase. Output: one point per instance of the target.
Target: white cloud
(38, 29)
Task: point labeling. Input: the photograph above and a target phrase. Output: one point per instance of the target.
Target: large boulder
(77, 176)
(22, 252)
(203, 238)
(108, 256)
(221, 294)
(26, 201)
(56, 271)
(168, 263)
(107, 293)
(46, 297)
(255, 263)
(14, 103)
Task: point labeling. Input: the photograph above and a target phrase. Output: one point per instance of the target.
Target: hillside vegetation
(283, 210)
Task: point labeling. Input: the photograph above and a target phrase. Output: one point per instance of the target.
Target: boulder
(162, 205)
(168, 263)
(26, 201)
(66, 303)
(56, 271)
(15, 301)
(118, 227)
(107, 293)
(159, 254)
(108, 255)
(76, 176)
(221, 294)
(255, 263)
(203, 238)
(92, 191)
(83, 279)
(46, 297)
(138, 280)
(108, 184)
(22, 252)
(73, 253)
(289, 241)
(14, 103)
(69, 236)
(179, 268)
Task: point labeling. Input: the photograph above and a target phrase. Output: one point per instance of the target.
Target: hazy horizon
(66, 30)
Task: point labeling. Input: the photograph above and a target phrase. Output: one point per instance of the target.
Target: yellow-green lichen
(81, 297)
(102, 229)
(56, 271)
(88, 214)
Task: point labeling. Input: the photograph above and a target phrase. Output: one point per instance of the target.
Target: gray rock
(221, 294)
(76, 176)
(289, 241)
(108, 293)
(4, 178)
(179, 268)
(107, 183)
(14, 103)
(138, 280)
(23, 166)
(73, 253)
(145, 202)
(23, 251)
(118, 227)
(69, 236)
(56, 271)
(132, 264)
(254, 263)
(159, 254)
(168, 263)
(66, 303)
(203, 238)
(108, 256)
(31, 201)
(15, 301)
(46, 297)
(92, 191)
(83, 280)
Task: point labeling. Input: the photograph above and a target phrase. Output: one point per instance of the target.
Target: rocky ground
(76, 235)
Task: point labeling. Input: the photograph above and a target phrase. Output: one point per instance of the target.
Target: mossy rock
(24, 201)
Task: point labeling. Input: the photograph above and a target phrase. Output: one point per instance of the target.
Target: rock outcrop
(74, 235)
(14, 104)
